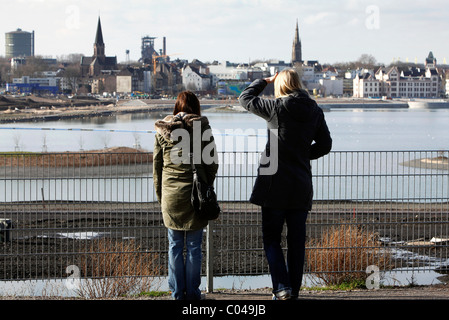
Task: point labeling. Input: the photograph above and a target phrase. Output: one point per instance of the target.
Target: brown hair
(187, 102)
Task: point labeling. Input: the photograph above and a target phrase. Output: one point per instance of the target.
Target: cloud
(354, 22)
(234, 29)
(320, 18)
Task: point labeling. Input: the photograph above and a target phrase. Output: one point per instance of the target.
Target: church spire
(99, 35)
(296, 48)
(99, 44)
(297, 32)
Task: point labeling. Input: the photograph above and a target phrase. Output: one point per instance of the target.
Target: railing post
(210, 257)
(5, 230)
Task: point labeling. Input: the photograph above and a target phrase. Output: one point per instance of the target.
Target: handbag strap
(180, 116)
(191, 162)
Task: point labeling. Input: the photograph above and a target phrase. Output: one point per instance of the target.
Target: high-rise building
(19, 43)
(296, 48)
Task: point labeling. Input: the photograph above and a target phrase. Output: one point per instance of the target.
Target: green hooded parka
(172, 171)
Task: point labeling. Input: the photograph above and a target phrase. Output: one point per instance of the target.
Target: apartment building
(366, 85)
(30, 85)
(196, 76)
(411, 82)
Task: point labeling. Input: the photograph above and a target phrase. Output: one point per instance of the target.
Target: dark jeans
(285, 275)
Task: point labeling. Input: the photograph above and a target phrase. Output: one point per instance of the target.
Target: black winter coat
(302, 135)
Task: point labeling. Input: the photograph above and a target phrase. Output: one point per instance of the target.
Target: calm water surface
(352, 130)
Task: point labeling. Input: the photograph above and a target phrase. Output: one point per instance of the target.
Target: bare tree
(5, 70)
(72, 58)
(71, 76)
(366, 61)
(34, 66)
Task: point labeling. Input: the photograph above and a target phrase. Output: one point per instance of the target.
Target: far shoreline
(114, 156)
(42, 110)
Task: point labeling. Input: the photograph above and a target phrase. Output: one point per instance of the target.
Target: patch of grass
(19, 153)
(92, 158)
(153, 294)
(346, 286)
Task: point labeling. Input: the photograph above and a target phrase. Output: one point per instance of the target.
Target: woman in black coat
(298, 133)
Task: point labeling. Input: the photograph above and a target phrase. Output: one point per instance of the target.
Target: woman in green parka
(176, 136)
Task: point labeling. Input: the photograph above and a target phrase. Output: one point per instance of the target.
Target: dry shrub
(116, 268)
(343, 253)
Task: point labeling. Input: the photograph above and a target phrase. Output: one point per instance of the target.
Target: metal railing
(56, 208)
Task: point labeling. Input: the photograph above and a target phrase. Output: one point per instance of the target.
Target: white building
(124, 82)
(447, 87)
(331, 87)
(49, 82)
(323, 81)
(391, 83)
(308, 77)
(230, 71)
(365, 86)
(271, 67)
(196, 78)
(424, 86)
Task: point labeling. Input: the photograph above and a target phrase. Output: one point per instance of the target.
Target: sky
(238, 31)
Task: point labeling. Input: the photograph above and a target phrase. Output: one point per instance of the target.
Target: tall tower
(19, 44)
(99, 44)
(147, 49)
(296, 48)
(431, 62)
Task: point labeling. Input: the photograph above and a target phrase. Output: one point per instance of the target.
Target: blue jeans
(284, 275)
(184, 276)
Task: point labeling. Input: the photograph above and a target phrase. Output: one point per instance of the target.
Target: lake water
(352, 130)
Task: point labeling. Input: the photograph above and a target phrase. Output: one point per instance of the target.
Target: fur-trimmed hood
(182, 120)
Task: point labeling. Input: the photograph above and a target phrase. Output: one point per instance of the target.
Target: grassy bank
(92, 158)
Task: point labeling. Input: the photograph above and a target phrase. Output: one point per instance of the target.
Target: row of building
(411, 82)
(156, 74)
(228, 79)
(408, 81)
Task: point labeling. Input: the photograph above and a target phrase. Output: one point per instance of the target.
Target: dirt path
(431, 292)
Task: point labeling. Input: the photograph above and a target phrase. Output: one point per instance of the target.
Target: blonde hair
(286, 82)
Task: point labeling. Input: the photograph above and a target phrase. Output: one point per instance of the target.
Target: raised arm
(250, 100)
